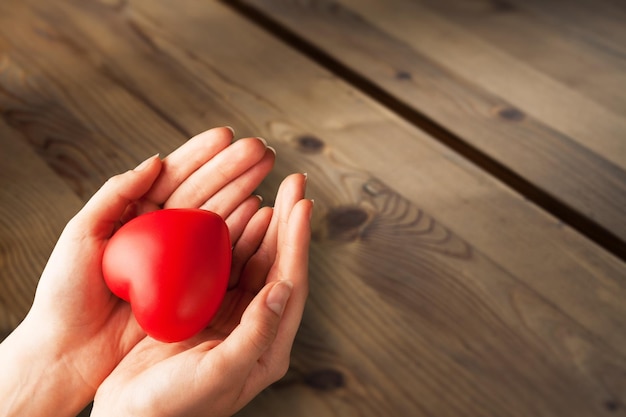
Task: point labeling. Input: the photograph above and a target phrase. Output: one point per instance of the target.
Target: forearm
(35, 380)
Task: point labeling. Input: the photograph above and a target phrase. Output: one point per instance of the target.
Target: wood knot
(510, 114)
(611, 405)
(344, 223)
(325, 380)
(403, 75)
(309, 143)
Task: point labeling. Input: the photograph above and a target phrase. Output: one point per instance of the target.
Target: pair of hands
(79, 341)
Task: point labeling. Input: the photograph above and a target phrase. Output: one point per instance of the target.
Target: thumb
(106, 206)
(258, 328)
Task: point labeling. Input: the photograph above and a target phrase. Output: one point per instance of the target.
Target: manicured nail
(231, 130)
(272, 149)
(306, 175)
(278, 296)
(262, 141)
(260, 197)
(145, 163)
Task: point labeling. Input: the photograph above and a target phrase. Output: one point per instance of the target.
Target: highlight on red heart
(172, 266)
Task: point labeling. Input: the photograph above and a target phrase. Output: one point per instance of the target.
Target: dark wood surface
(466, 159)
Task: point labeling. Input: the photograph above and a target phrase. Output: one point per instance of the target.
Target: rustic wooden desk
(467, 159)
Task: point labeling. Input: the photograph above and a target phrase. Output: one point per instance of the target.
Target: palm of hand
(207, 172)
(207, 372)
(157, 365)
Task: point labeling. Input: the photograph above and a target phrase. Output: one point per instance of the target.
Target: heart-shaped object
(173, 267)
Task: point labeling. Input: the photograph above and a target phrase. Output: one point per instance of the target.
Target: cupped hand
(74, 318)
(247, 346)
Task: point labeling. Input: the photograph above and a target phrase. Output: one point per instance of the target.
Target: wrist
(37, 377)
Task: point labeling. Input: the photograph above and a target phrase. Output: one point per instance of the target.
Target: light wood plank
(597, 23)
(500, 99)
(498, 72)
(566, 51)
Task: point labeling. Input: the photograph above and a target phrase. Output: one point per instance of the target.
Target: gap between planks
(565, 213)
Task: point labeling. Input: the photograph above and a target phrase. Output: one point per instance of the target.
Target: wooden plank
(493, 69)
(86, 124)
(563, 50)
(597, 23)
(35, 204)
(472, 70)
(435, 288)
(387, 329)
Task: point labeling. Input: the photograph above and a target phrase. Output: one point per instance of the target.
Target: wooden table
(467, 160)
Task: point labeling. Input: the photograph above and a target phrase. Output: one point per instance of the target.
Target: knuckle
(263, 335)
(281, 368)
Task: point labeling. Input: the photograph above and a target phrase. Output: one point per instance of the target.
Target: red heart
(173, 267)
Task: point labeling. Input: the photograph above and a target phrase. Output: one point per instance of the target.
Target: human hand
(76, 331)
(247, 346)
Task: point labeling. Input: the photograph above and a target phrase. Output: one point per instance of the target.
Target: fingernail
(278, 296)
(306, 176)
(262, 140)
(231, 129)
(260, 197)
(145, 163)
(272, 149)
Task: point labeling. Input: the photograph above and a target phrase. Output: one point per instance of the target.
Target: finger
(101, 213)
(185, 160)
(240, 217)
(239, 352)
(248, 243)
(220, 170)
(256, 270)
(293, 267)
(294, 192)
(230, 196)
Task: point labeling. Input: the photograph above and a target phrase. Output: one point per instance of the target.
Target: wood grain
(547, 35)
(435, 289)
(407, 318)
(83, 121)
(503, 81)
(35, 204)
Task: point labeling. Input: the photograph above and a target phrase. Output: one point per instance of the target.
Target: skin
(80, 343)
